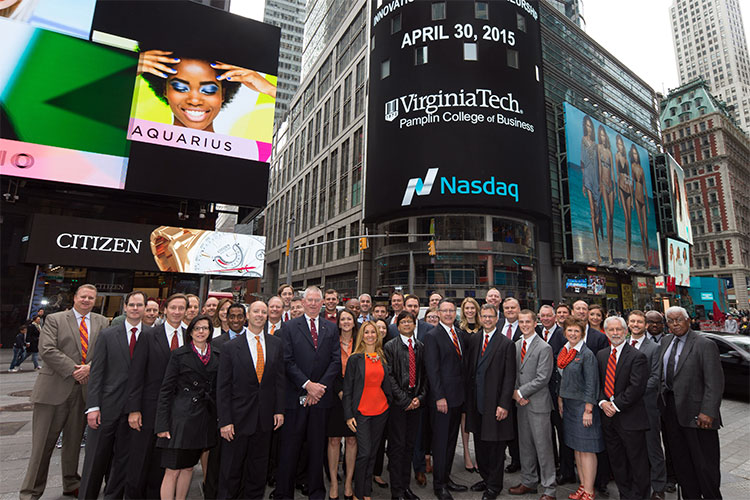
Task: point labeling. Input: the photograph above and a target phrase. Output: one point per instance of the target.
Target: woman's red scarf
(565, 357)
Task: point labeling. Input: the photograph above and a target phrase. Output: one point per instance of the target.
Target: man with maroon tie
(109, 434)
(286, 292)
(312, 356)
(509, 328)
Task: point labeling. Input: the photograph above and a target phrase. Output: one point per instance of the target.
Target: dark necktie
(132, 340)
(509, 332)
(314, 333)
(546, 333)
(412, 366)
(634, 343)
(523, 351)
(175, 343)
(486, 341)
(455, 342)
(671, 363)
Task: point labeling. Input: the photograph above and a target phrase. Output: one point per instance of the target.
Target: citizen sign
(98, 243)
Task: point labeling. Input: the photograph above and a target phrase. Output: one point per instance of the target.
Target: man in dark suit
(623, 374)
(250, 401)
(312, 356)
(691, 387)
(491, 378)
(509, 328)
(444, 353)
(150, 359)
(596, 341)
(109, 434)
(236, 321)
(638, 339)
(67, 343)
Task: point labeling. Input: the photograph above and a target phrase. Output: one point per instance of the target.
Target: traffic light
(431, 248)
(363, 243)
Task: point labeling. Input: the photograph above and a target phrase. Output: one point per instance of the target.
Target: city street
(15, 447)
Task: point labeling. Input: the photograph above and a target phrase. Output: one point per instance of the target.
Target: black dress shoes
(512, 467)
(443, 494)
(490, 494)
(455, 486)
(410, 495)
(479, 486)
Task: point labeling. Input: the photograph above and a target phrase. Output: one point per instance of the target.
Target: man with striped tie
(59, 396)
(623, 374)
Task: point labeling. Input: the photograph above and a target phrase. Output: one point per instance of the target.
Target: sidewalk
(15, 448)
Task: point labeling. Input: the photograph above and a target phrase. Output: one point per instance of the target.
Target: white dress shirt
(513, 326)
(275, 326)
(638, 343)
(450, 335)
(171, 331)
(618, 352)
(79, 316)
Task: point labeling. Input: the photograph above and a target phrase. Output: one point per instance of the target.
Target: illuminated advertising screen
(149, 106)
(70, 17)
(73, 241)
(456, 109)
(679, 200)
(611, 196)
(678, 261)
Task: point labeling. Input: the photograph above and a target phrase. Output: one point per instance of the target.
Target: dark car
(734, 351)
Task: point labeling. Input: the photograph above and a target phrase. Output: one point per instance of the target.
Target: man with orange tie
(107, 442)
(150, 359)
(275, 312)
(624, 372)
(250, 405)
(66, 344)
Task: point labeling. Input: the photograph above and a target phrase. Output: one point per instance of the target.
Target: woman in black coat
(186, 421)
(366, 398)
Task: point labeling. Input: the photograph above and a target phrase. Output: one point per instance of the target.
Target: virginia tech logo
(391, 110)
(418, 186)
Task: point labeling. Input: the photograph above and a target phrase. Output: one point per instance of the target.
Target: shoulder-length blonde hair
(463, 324)
(359, 346)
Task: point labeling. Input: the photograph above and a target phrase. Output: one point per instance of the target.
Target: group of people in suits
(244, 388)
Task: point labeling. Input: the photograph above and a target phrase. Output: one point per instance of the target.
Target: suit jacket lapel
(491, 348)
(622, 361)
(122, 342)
(689, 341)
(74, 329)
(161, 339)
(194, 361)
(304, 329)
(530, 346)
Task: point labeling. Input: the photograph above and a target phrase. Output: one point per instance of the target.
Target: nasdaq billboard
(456, 118)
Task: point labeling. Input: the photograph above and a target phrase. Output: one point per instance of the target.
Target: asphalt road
(15, 448)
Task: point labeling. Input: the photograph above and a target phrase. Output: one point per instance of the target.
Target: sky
(636, 32)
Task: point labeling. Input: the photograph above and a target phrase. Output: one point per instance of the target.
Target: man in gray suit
(638, 339)
(59, 396)
(534, 362)
(690, 387)
(109, 432)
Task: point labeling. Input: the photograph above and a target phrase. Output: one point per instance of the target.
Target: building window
(420, 55)
(385, 69)
(470, 52)
(722, 261)
(341, 244)
(481, 10)
(513, 58)
(520, 22)
(717, 227)
(396, 24)
(353, 242)
(711, 182)
(438, 11)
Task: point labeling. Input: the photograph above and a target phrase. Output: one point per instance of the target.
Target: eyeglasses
(446, 310)
(201, 328)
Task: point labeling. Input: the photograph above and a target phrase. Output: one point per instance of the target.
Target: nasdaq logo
(391, 110)
(419, 187)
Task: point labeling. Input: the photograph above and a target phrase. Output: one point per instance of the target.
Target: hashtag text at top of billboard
(456, 118)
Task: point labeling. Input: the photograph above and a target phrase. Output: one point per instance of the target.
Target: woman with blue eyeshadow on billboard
(591, 186)
(194, 88)
(606, 184)
(641, 198)
(625, 187)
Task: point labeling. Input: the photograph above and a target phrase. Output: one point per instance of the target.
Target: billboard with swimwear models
(612, 214)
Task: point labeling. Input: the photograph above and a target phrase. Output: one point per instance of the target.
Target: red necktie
(634, 343)
(523, 351)
(84, 339)
(509, 333)
(455, 342)
(132, 340)
(486, 341)
(175, 344)
(314, 333)
(546, 332)
(286, 316)
(412, 366)
(609, 381)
